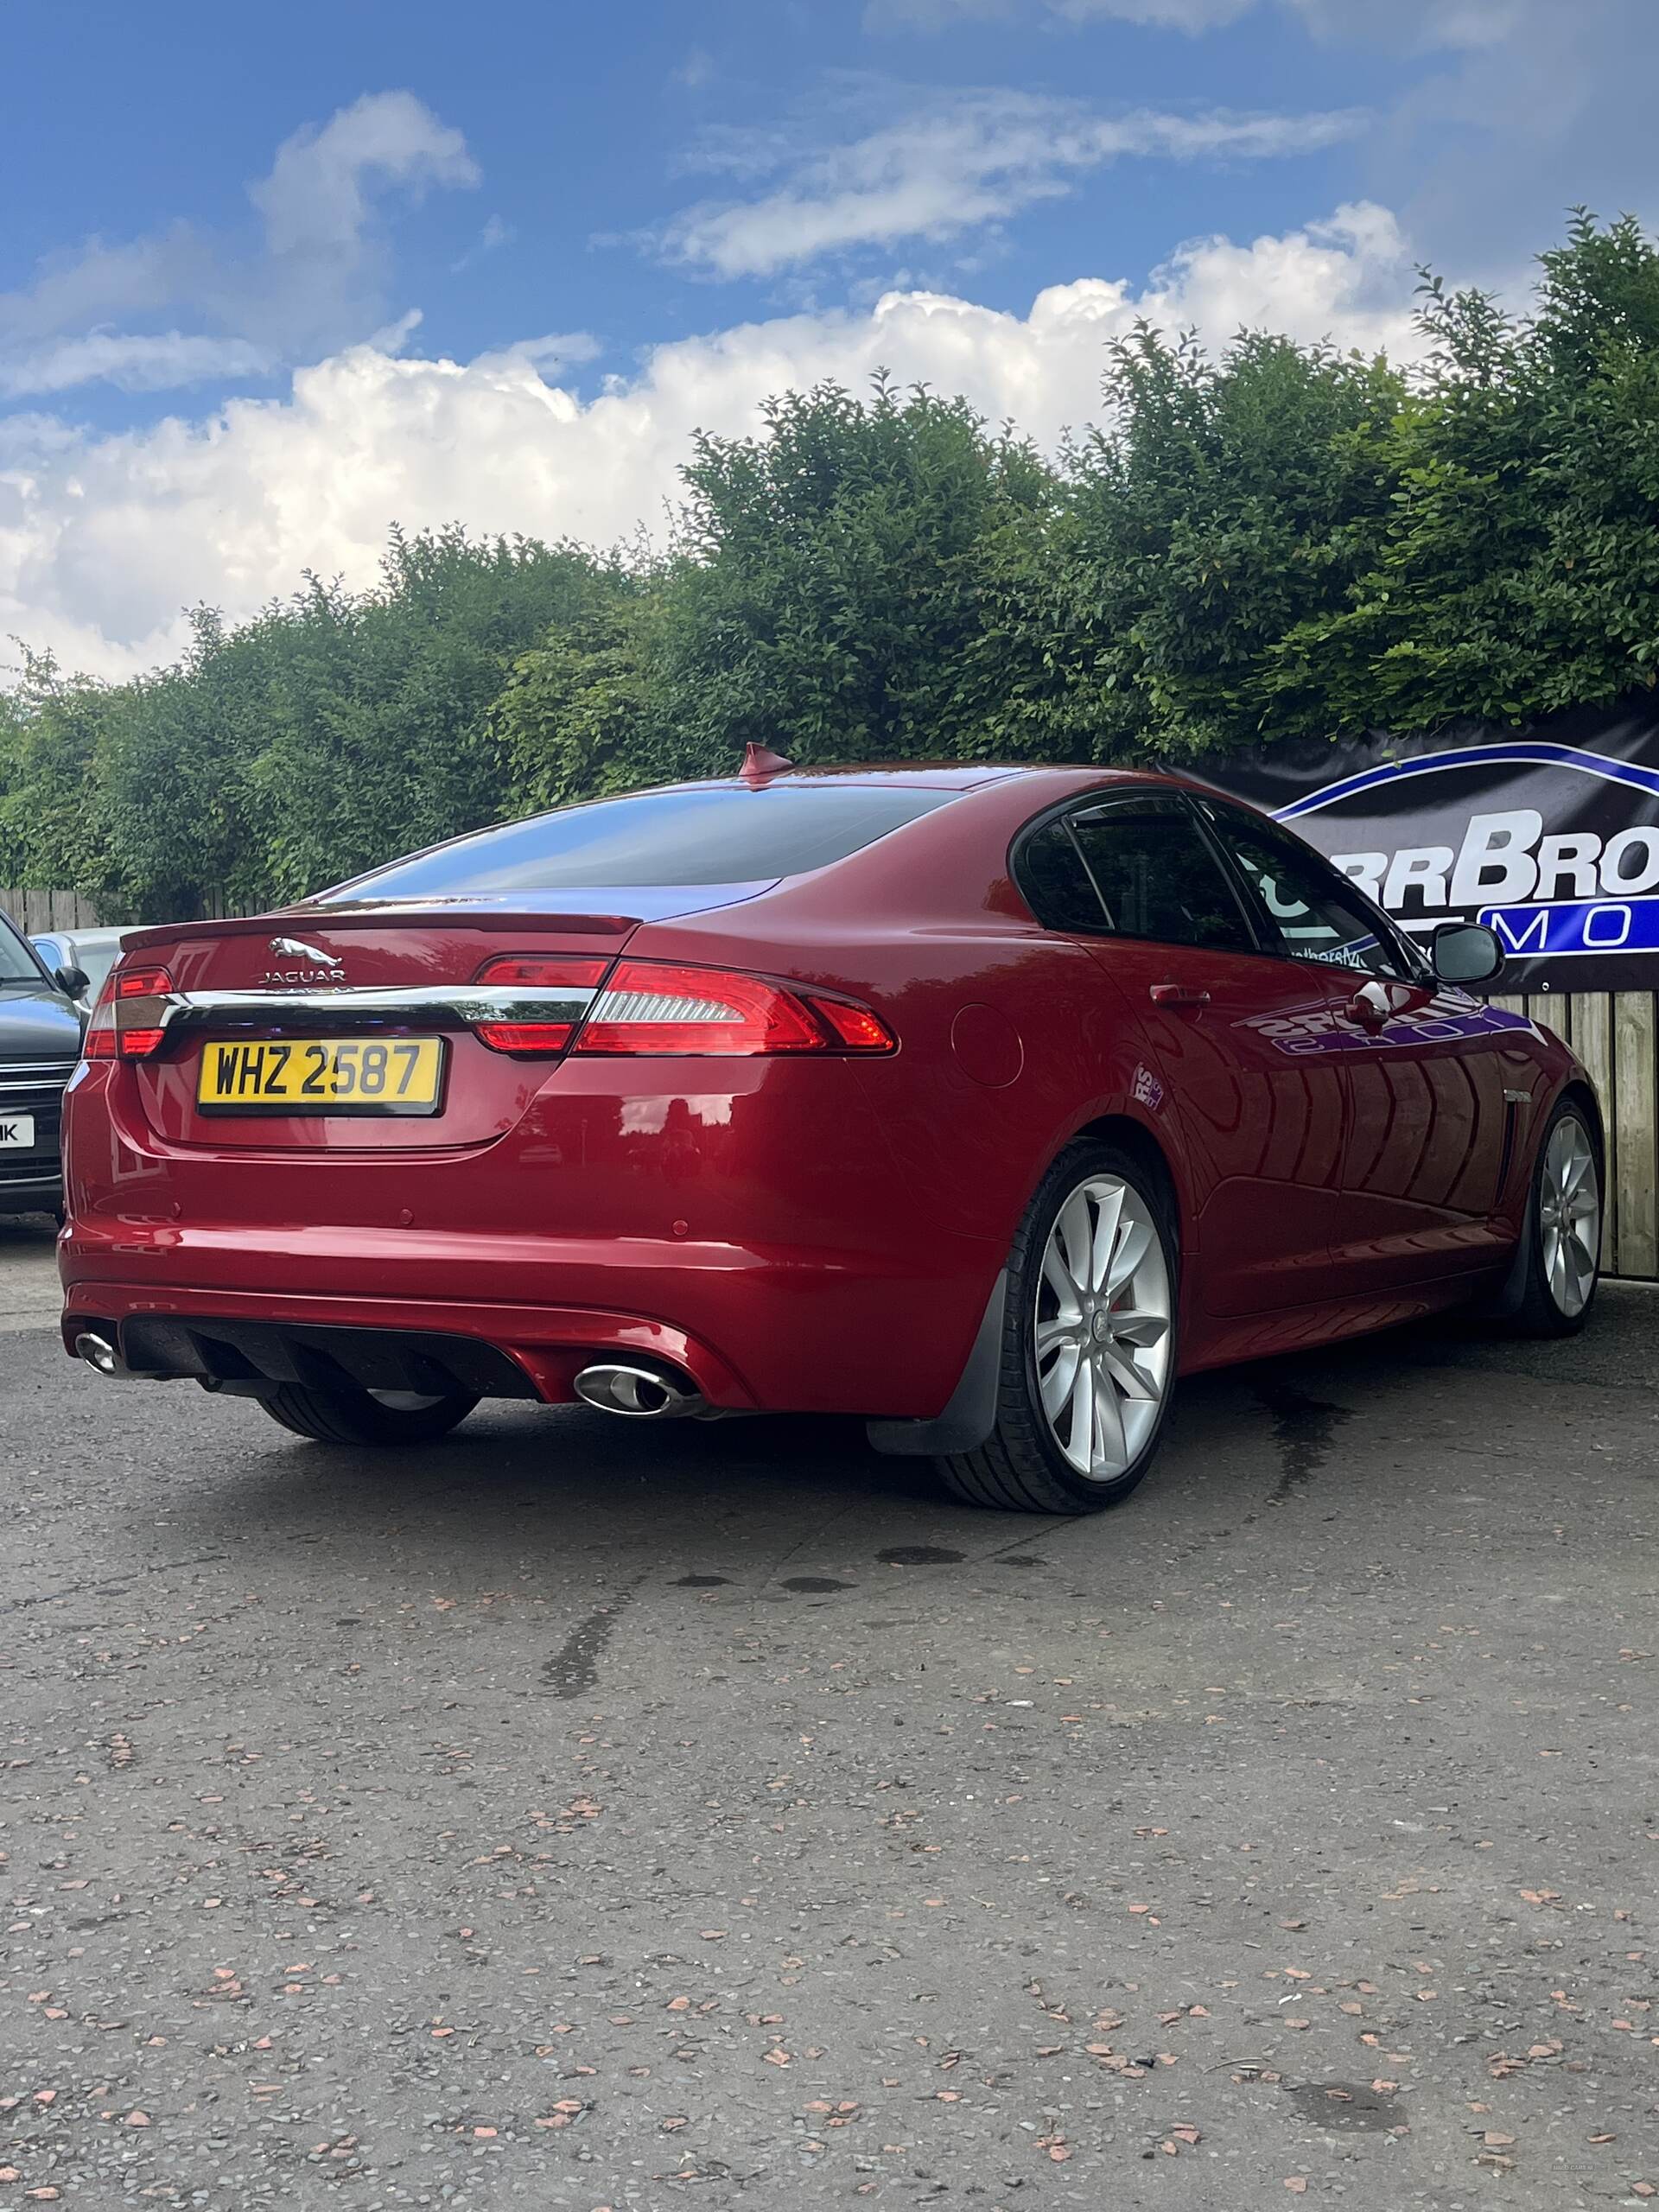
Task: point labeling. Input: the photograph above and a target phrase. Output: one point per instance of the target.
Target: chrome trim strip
(422, 1006)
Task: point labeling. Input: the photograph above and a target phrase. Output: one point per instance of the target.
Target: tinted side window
(1301, 906)
(1156, 875)
(17, 960)
(1055, 881)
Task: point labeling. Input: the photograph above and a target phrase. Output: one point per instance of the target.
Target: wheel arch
(969, 1416)
(1578, 1090)
(1133, 1137)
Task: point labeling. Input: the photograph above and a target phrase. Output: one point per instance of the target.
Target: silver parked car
(93, 951)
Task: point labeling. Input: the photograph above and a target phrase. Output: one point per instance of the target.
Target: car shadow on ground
(805, 1505)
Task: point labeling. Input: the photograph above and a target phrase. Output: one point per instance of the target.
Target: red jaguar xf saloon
(980, 1102)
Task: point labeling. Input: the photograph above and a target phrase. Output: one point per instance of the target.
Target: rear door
(1235, 1033)
(1429, 1133)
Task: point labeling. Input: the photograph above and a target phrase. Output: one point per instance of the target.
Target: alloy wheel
(1103, 1327)
(1569, 1216)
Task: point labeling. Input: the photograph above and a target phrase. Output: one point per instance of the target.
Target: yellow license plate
(323, 1075)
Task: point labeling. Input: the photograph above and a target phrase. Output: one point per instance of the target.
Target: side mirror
(75, 982)
(1463, 952)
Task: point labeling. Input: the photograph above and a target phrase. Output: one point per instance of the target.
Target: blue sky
(269, 281)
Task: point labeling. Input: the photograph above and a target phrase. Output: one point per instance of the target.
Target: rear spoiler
(368, 914)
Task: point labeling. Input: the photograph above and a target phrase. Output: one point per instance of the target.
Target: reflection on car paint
(1439, 1022)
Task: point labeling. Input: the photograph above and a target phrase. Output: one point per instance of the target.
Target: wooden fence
(1614, 1033)
(34, 911)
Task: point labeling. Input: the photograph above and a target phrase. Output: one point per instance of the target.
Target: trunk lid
(292, 976)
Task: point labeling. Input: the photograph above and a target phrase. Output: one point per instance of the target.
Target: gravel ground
(579, 1817)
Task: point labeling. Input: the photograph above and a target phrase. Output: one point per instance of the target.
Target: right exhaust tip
(636, 1392)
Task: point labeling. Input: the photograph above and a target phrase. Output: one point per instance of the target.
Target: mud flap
(969, 1418)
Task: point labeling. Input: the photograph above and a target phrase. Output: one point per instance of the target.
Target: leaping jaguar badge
(321, 967)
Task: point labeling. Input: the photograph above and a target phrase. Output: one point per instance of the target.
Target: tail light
(649, 1008)
(126, 1022)
(855, 1028)
(559, 973)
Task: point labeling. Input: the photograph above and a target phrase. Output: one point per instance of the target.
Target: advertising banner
(1547, 835)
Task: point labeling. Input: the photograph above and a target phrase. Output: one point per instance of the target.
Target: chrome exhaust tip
(99, 1352)
(636, 1392)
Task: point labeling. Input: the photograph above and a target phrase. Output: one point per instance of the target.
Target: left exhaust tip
(98, 1352)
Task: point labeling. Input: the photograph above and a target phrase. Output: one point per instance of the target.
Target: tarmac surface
(582, 1816)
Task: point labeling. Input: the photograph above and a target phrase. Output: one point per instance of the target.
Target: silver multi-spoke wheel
(1569, 1216)
(1103, 1327)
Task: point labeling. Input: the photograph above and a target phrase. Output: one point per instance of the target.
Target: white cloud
(160, 363)
(964, 161)
(935, 15)
(316, 196)
(104, 539)
(1489, 150)
(1504, 112)
(318, 283)
(73, 289)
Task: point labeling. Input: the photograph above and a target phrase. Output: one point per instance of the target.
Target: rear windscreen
(714, 834)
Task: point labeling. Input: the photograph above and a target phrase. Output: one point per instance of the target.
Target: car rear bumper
(791, 1242)
(547, 1345)
(782, 1332)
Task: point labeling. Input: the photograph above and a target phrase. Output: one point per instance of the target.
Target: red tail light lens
(553, 972)
(142, 984)
(126, 1022)
(528, 972)
(651, 1008)
(854, 1029)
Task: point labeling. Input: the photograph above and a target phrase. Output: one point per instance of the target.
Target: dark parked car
(40, 1043)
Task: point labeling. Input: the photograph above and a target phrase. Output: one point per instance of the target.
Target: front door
(1423, 1064)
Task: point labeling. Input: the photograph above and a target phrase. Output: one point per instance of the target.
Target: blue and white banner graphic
(1549, 836)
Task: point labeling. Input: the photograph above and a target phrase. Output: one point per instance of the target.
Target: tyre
(1562, 1254)
(1089, 1343)
(350, 1416)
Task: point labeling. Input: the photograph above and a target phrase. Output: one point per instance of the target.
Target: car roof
(931, 775)
(925, 775)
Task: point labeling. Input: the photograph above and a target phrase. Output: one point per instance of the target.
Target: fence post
(1633, 1164)
(1592, 1040)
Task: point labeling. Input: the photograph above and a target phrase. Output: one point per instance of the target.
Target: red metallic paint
(818, 1234)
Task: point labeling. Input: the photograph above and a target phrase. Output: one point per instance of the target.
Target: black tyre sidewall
(353, 1418)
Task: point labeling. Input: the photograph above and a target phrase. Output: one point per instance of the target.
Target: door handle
(1184, 996)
